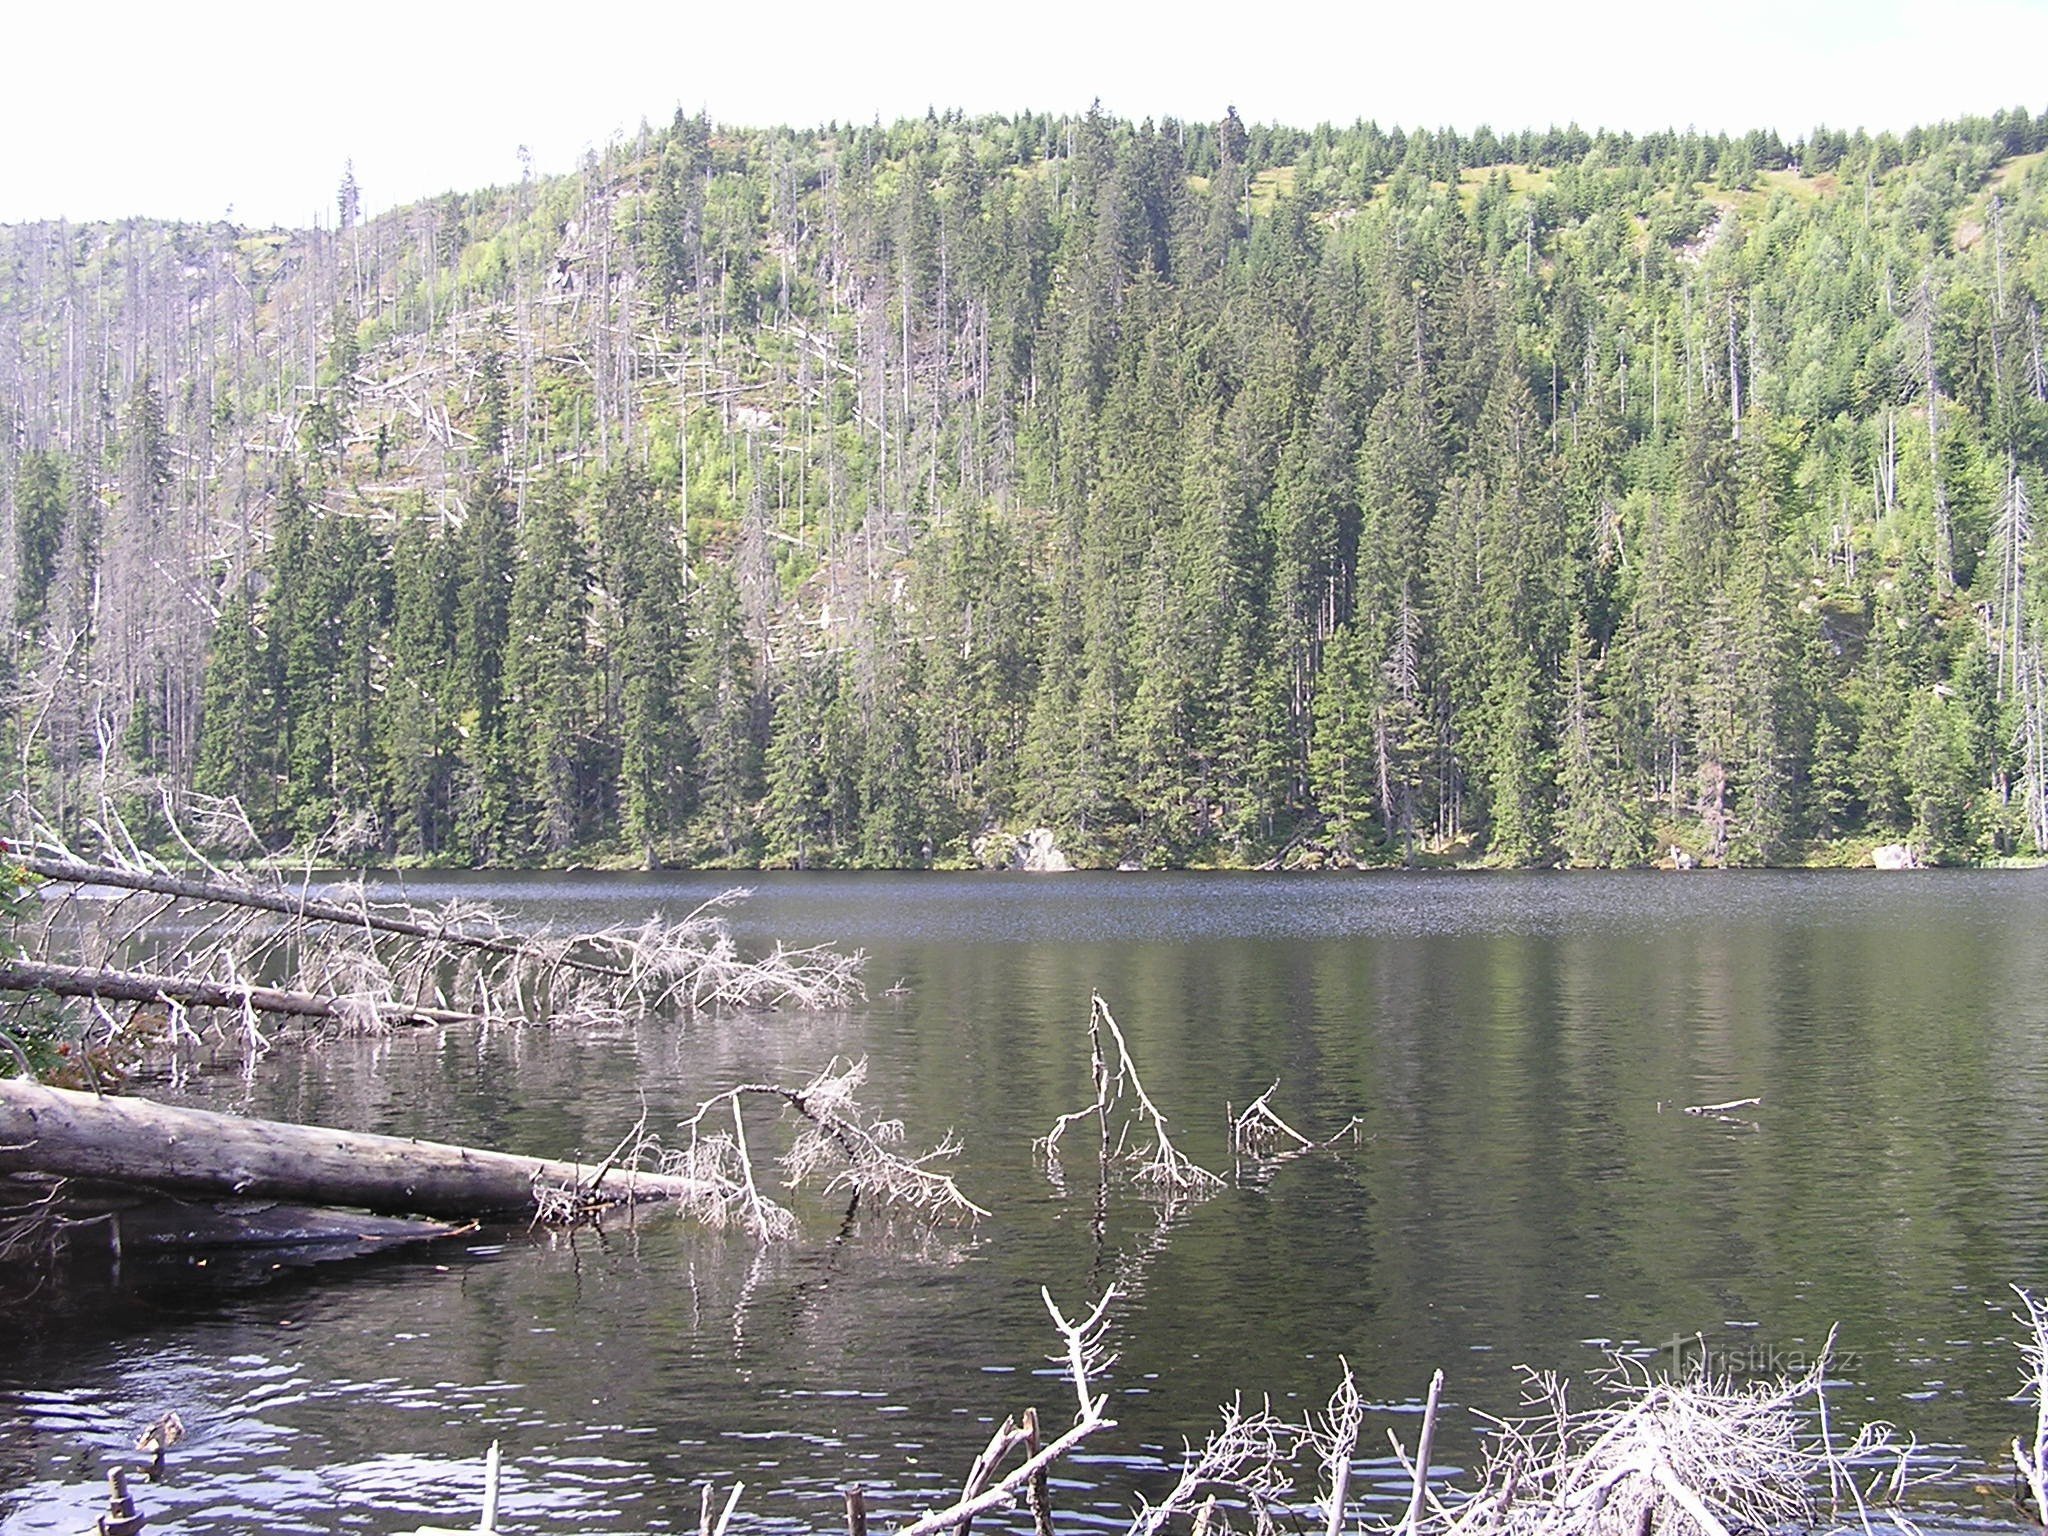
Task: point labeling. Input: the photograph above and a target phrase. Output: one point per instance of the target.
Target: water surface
(1525, 1192)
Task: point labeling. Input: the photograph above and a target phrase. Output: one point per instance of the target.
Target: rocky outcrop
(1038, 853)
(1035, 852)
(1894, 856)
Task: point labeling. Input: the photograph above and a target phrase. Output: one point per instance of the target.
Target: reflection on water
(1526, 1191)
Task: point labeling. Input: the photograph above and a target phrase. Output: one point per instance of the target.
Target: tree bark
(131, 1141)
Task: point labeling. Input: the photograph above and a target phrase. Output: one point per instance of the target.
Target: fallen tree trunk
(145, 987)
(138, 1142)
(284, 903)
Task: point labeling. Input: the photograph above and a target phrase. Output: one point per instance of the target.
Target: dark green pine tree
(980, 601)
(1594, 824)
(1049, 792)
(1314, 530)
(796, 811)
(240, 732)
(1404, 734)
(41, 509)
(722, 695)
(486, 550)
(895, 830)
(1343, 760)
(304, 608)
(1400, 467)
(359, 561)
(421, 720)
(1831, 804)
(1256, 771)
(1771, 732)
(646, 639)
(548, 677)
(1517, 762)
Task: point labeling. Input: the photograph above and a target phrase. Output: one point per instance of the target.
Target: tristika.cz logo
(1693, 1355)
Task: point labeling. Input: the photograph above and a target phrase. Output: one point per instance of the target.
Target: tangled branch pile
(1691, 1457)
(239, 948)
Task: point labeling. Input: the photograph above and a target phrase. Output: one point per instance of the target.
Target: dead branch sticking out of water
(2032, 1461)
(1654, 1457)
(1334, 1440)
(1155, 1164)
(1723, 1107)
(1259, 1132)
(1244, 1459)
(1082, 1353)
(860, 1152)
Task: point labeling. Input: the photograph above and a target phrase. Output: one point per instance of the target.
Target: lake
(1525, 1191)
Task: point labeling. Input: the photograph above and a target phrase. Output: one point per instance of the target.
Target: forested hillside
(1203, 492)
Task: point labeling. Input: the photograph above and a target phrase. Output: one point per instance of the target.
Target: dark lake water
(1524, 1193)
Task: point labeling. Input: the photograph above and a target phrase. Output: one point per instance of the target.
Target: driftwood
(1723, 1107)
(224, 951)
(371, 966)
(123, 1146)
(139, 1143)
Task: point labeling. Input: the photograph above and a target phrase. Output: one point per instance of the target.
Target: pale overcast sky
(188, 110)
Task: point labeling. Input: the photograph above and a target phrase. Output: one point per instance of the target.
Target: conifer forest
(1208, 493)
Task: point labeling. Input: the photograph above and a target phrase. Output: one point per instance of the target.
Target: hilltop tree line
(1202, 492)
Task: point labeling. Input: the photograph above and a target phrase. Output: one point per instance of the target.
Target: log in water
(130, 1141)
